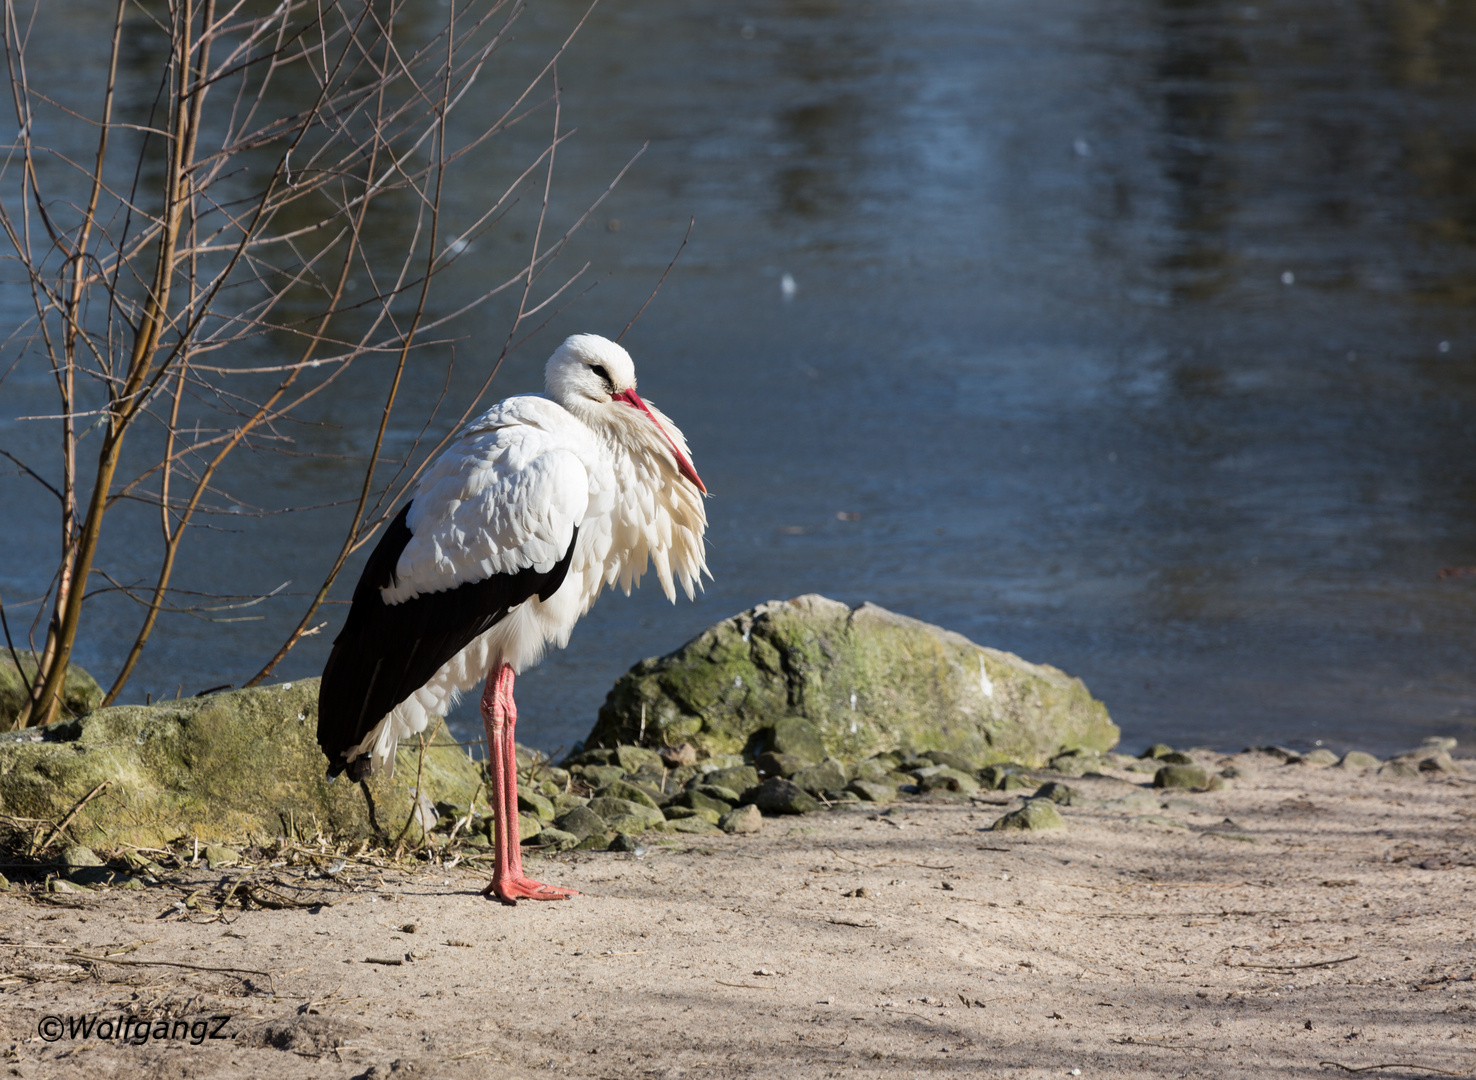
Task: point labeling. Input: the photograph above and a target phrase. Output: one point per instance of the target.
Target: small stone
(796, 735)
(1035, 815)
(953, 761)
(594, 842)
(776, 764)
(681, 776)
(719, 793)
(1436, 743)
(993, 777)
(947, 778)
(829, 775)
(581, 821)
(779, 796)
(600, 775)
(1175, 757)
(682, 813)
(634, 758)
(1321, 757)
(529, 826)
(721, 761)
(624, 789)
(567, 801)
(1180, 776)
(700, 800)
(1059, 794)
(674, 757)
(5, 883)
(873, 790)
(557, 839)
(632, 823)
(841, 796)
(1399, 770)
(648, 780)
(746, 819)
(1441, 762)
(611, 808)
(217, 857)
(1230, 772)
(739, 779)
(627, 843)
(1357, 759)
(1015, 781)
(1076, 764)
(699, 826)
(537, 805)
(1157, 750)
(873, 769)
(76, 857)
(62, 885)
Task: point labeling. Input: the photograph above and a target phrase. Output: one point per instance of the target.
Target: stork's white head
(594, 378)
(588, 368)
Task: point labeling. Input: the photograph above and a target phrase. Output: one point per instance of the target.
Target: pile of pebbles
(599, 799)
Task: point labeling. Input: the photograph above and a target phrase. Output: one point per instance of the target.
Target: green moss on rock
(80, 692)
(864, 679)
(237, 767)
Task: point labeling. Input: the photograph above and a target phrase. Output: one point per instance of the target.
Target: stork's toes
(514, 889)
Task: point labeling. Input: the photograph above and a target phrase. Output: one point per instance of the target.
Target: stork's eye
(602, 373)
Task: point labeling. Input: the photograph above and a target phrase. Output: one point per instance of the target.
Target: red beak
(631, 398)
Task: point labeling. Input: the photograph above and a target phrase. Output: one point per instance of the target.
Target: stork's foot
(512, 890)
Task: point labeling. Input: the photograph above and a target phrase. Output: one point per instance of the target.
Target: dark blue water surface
(1138, 335)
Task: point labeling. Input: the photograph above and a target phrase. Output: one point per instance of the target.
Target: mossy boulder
(80, 692)
(237, 767)
(864, 680)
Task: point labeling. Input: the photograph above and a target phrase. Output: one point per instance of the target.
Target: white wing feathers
(509, 492)
(505, 496)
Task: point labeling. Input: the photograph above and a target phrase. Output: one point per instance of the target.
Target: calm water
(1139, 336)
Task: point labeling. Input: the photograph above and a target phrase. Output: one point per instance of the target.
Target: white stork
(510, 535)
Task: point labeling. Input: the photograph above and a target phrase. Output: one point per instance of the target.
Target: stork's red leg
(500, 717)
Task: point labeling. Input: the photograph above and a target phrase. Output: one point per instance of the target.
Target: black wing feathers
(386, 652)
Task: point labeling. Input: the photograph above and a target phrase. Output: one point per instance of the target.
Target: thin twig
(1392, 1065)
(271, 982)
(1297, 967)
(691, 221)
(75, 811)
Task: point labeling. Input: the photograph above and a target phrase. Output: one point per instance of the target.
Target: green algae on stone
(1035, 815)
(533, 803)
(624, 789)
(1181, 776)
(873, 791)
(829, 775)
(235, 768)
(865, 680)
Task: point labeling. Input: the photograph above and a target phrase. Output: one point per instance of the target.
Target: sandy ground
(1328, 920)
